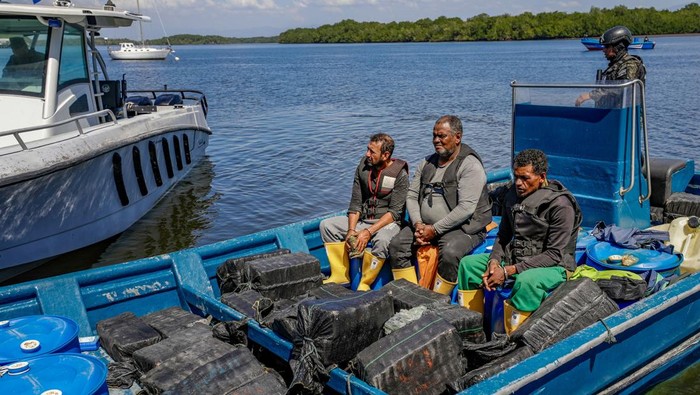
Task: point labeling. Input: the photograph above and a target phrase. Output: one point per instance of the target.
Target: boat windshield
(605, 94)
(23, 49)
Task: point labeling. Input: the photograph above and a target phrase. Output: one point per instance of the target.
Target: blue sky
(247, 18)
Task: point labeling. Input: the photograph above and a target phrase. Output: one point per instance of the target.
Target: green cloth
(529, 290)
(594, 274)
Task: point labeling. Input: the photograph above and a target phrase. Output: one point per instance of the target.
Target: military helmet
(616, 35)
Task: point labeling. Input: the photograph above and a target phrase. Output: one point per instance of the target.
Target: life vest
(530, 227)
(378, 193)
(450, 188)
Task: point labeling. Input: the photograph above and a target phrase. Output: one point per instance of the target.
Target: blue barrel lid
(55, 374)
(648, 259)
(29, 336)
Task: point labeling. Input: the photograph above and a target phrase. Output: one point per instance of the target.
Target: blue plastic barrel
(30, 336)
(75, 374)
(663, 263)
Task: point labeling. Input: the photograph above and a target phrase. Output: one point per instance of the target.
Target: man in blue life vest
(535, 244)
(448, 206)
(621, 66)
(376, 208)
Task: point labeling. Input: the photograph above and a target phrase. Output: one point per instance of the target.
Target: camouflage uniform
(623, 67)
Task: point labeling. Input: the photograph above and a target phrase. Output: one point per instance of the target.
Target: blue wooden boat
(593, 44)
(597, 152)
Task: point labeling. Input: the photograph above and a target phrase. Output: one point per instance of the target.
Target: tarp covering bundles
(469, 323)
(490, 369)
(249, 303)
(283, 276)
(420, 358)
(223, 369)
(332, 331)
(171, 320)
(125, 333)
(230, 275)
(197, 335)
(407, 295)
(571, 307)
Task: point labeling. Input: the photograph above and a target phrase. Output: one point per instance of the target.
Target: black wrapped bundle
(490, 369)
(408, 295)
(218, 370)
(469, 324)
(198, 335)
(482, 353)
(420, 358)
(330, 291)
(230, 276)
(283, 319)
(249, 303)
(171, 320)
(123, 334)
(571, 307)
(284, 276)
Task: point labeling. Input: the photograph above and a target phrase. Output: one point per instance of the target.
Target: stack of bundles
(198, 335)
(249, 303)
(571, 307)
(283, 319)
(494, 367)
(469, 323)
(230, 275)
(218, 369)
(420, 358)
(332, 331)
(125, 333)
(408, 295)
(171, 320)
(284, 276)
(484, 353)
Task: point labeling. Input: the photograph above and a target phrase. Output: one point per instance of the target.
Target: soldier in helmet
(621, 66)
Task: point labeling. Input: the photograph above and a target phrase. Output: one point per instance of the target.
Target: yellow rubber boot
(407, 273)
(443, 286)
(472, 299)
(512, 317)
(371, 266)
(339, 262)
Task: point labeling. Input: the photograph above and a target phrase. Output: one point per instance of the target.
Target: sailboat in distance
(131, 51)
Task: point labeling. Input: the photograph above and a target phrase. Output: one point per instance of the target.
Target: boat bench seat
(167, 99)
(139, 100)
(668, 176)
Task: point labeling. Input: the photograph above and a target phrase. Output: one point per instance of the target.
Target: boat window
(73, 64)
(23, 49)
(178, 155)
(168, 158)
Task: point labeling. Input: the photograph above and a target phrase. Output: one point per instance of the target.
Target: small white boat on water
(131, 51)
(81, 158)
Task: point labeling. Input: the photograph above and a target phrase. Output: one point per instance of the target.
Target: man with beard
(376, 208)
(448, 206)
(535, 244)
(621, 66)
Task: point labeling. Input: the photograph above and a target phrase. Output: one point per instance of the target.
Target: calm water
(291, 122)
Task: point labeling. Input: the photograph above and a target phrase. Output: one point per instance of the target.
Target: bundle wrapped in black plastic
(408, 295)
(479, 354)
(420, 358)
(230, 276)
(330, 291)
(332, 331)
(283, 276)
(216, 370)
(623, 288)
(125, 333)
(469, 324)
(232, 332)
(283, 318)
(571, 307)
(492, 368)
(199, 335)
(171, 320)
(249, 303)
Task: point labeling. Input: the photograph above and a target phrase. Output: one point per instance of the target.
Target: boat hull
(593, 44)
(140, 54)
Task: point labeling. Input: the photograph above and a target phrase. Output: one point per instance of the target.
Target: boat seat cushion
(168, 99)
(668, 176)
(139, 100)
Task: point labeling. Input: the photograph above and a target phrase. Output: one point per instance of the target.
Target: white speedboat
(81, 158)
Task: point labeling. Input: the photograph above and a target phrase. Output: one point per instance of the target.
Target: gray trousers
(334, 229)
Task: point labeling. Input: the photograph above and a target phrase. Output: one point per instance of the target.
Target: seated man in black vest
(448, 206)
(23, 62)
(376, 208)
(535, 244)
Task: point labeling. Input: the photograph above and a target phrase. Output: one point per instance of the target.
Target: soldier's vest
(530, 227)
(379, 193)
(615, 69)
(449, 189)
